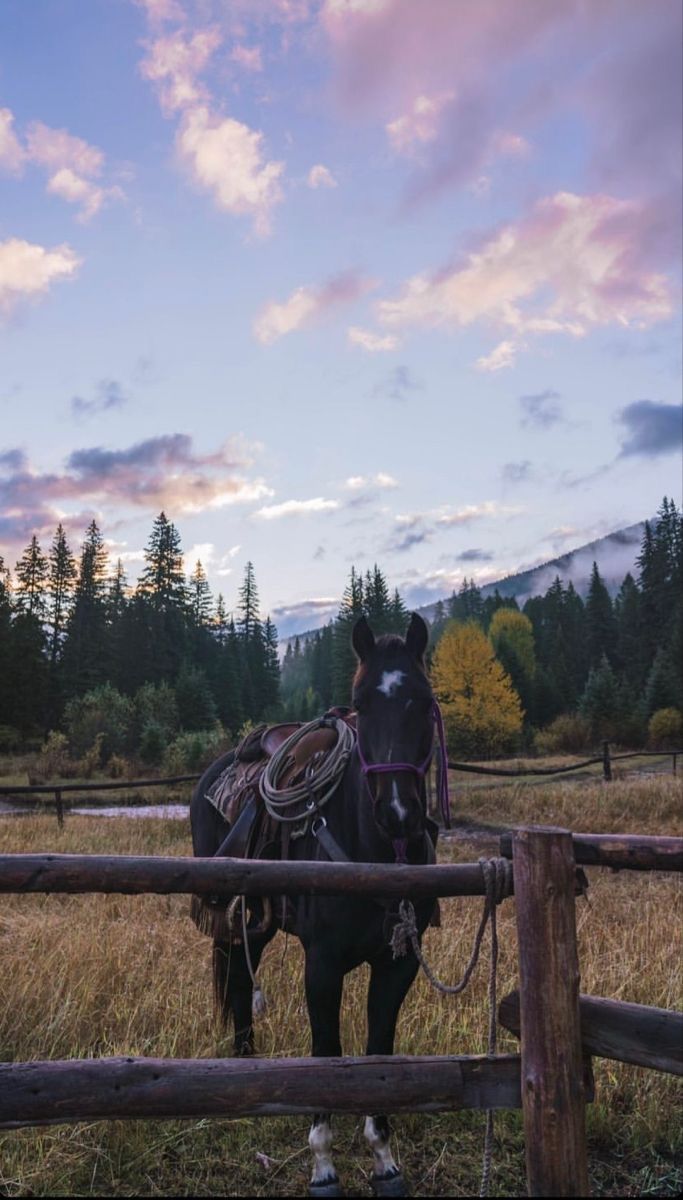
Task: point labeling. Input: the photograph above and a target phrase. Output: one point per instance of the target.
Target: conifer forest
(163, 671)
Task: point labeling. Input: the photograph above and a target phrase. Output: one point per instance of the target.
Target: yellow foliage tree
(513, 630)
(482, 711)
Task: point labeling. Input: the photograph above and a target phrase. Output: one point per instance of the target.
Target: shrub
(117, 767)
(153, 742)
(102, 713)
(192, 751)
(53, 759)
(665, 729)
(567, 734)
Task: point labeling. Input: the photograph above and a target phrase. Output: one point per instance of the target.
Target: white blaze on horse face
(398, 808)
(320, 1142)
(379, 1144)
(391, 682)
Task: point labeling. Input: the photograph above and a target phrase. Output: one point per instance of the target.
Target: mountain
(615, 555)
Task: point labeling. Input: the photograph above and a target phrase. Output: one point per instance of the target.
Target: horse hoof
(390, 1185)
(330, 1187)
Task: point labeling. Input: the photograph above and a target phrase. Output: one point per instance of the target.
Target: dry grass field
(107, 975)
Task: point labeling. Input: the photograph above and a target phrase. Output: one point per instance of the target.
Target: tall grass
(104, 975)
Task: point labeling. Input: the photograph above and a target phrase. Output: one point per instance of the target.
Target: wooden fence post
(59, 806)
(675, 757)
(606, 762)
(553, 1094)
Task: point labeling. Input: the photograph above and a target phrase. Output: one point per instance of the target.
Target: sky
(339, 282)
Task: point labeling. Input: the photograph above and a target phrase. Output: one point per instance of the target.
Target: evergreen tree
(194, 698)
(83, 660)
(199, 597)
(600, 702)
(376, 602)
(628, 618)
(220, 622)
(247, 605)
(343, 657)
(31, 580)
(163, 580)
(5, 646)
(61, 584)
(512, 637)
(271, 696)
(601, 630)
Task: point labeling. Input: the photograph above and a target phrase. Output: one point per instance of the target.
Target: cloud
(29, 270)
(624, 92)
(397, 385)
(542, 409)
(12, 153)
(413, 529)
(162, 472)
(248, 57)
(321, 176)
(373, 342)
(651, 428)
(160, 11)
(356, 483)
(419, 125)
(109, 394)
(303, 615)
(474, 555)
(517, 472)
(73, 166)
(225, 157)
(296, 508)
(308, 304)
(221, 155)
(577, 263)
(502, 356)
(174, 63)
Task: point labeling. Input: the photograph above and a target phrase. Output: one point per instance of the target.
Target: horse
(377, 814)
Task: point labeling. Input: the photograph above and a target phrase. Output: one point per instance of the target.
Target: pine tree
(398, 614)
(376, 602)
(220, 622)
(343, 657)
(628, 618)
(83, 660)
(199, 597)
(600, 702)
(31, 580)
(271, 668)
(601, 630)
(61, 585)
(5, 646)
(247, 605)
(163, 580)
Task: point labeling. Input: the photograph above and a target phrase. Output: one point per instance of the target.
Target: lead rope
(497, 874)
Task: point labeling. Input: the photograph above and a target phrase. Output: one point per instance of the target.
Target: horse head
(394, 703)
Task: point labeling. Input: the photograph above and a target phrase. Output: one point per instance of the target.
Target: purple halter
(400, 844)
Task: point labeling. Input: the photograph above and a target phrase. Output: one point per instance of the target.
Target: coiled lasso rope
(318, 785)
(498, 881)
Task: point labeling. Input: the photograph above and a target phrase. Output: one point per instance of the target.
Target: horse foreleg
(324, 983)
(390, 980)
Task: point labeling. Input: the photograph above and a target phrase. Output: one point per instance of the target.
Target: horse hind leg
(386, 1179)
(324, 1180)
(233, 990)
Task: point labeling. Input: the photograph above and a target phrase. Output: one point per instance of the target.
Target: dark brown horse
(377, 814)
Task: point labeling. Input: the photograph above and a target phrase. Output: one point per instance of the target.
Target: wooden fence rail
(108, 1088)
(630, 1033)
(634, 852)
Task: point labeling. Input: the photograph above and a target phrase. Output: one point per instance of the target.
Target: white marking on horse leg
(378, 1142)
(398, 808)
(320, 1141)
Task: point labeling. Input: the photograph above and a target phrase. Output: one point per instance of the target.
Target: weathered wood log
(553, 1092)
(630, 1033)
(34, 1093)
(76, 873)
(634, 852)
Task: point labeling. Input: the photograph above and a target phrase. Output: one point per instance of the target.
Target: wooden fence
(58, 790)
(559, 1029)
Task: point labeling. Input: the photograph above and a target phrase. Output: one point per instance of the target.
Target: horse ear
(417, 636)
(362, 639)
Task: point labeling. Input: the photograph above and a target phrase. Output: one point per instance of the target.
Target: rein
(400, 844)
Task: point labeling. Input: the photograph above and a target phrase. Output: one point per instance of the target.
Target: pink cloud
(308, 304)
(575, 264)
(161, 472)
(12, 153)
(28, 270)
(248, 57)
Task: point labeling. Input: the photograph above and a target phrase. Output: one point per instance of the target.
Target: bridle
(420, 769)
